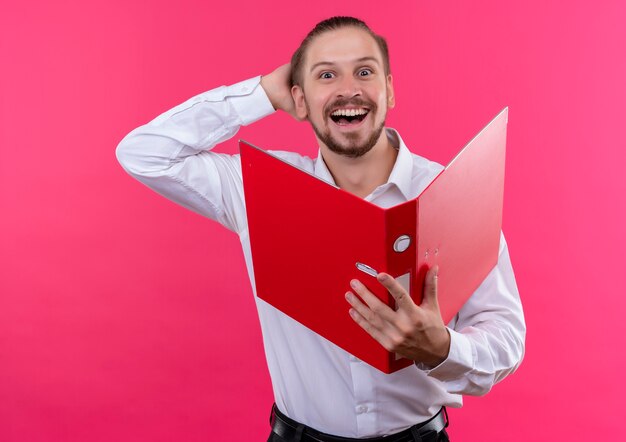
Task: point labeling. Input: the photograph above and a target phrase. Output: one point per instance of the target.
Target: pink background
(126, 318)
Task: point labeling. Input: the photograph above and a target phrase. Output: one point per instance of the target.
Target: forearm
(197, 124)
(170, 153)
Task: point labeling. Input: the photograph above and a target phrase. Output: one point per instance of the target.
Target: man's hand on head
(413, 331)
(278, 89)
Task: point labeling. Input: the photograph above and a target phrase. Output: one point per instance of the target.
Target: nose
(348, 87)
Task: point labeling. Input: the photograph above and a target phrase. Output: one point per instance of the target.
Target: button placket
(364, 395)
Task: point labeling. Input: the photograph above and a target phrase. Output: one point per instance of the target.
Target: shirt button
(361, 409)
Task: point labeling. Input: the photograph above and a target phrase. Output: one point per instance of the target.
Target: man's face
(345, 93)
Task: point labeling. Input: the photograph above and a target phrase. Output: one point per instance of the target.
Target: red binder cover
(310, 238)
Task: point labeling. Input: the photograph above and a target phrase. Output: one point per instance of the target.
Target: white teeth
(349, 112)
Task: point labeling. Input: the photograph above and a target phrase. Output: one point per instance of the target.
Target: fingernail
(383, 277)
(348, 296)
(354, 283)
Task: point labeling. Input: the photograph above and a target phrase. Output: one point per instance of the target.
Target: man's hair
(332, 24)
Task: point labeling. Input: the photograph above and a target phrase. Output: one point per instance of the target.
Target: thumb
(430, 288)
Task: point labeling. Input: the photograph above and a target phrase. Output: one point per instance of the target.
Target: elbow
(122, 153)
(133, 159)
(520, 351)
(515, 355)
(517, 346)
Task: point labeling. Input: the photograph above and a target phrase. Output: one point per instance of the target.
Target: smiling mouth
(346, 117)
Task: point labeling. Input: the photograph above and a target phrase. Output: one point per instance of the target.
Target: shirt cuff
(459, 361)
(249, 100)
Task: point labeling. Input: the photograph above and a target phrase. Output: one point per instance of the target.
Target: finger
(373, 302)
(402, 297)
(430, 288)
(374, 332)
(365, 312)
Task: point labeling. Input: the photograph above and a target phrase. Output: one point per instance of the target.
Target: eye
(364, 72)
(327, 75)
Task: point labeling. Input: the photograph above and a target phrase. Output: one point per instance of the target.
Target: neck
(360, 176)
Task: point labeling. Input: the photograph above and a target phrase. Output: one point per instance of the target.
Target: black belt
(289, 429)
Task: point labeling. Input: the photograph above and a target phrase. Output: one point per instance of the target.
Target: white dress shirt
(314, 381)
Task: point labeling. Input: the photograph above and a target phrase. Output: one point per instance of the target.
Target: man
(340, 81)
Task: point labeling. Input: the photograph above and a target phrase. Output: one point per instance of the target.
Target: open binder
(310, 238)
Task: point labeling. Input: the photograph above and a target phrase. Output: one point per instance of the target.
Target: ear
(298, 99)
(391, 98)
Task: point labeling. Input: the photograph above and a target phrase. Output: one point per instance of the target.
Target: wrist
(266, 84)
(442, 350)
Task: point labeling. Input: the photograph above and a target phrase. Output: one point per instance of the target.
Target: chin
(351, 144)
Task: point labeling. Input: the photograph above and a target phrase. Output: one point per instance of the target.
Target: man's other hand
(414, 331)
(278, 89)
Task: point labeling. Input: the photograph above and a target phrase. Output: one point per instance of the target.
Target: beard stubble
(352, 149)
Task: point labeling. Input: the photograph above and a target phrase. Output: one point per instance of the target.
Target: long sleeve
(487, 335)
(171, 154)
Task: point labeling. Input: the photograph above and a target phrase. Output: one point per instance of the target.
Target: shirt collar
(401, 174)
(321, 170)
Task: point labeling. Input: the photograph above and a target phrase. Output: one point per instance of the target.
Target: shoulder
(295, 159)
(411, 166)
(424, 171)
(421, 165)
(425, 166)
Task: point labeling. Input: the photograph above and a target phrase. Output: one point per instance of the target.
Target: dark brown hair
(332, 24)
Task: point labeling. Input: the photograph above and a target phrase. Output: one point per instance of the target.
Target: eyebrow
(359, 60)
